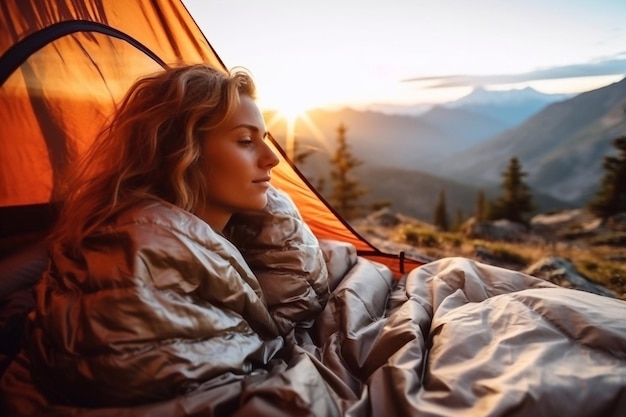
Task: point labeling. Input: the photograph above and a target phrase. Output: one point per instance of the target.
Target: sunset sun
(288, 104)
(289, 107)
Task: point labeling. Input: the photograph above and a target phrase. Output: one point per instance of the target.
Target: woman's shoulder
(154, 215)
(157, 212)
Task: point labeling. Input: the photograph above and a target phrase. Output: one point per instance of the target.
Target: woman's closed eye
(245, 141)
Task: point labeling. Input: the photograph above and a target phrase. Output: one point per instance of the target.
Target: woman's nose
(270, 159)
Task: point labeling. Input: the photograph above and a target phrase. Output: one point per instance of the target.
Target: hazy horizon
(326, 53)
(420, 108)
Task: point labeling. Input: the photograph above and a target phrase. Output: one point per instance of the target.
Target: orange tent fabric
(63, 65)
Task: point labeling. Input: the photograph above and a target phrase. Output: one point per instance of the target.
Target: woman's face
(238, 162)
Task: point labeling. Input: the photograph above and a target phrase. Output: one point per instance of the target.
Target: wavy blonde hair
(151, 148)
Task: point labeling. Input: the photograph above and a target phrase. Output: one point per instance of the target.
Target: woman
(147, 308)
(145, 299)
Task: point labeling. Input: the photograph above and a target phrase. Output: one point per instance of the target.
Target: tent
(63, 65)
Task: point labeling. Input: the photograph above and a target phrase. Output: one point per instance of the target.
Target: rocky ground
(572, 248)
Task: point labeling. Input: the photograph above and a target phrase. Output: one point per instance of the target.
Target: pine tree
(441, 212)
(516, 200)
(458, 220)
(481, 206)
(320, 185)
(611, 198)
(346, 191)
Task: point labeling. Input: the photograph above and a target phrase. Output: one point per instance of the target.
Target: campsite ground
(595, 250)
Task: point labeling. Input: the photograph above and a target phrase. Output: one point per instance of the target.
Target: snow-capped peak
(482, 96)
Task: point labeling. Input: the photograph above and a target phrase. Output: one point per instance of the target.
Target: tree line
(515, 202)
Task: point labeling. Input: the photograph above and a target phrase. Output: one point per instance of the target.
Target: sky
(365, 53)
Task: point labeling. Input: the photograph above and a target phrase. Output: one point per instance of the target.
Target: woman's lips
(265, 182)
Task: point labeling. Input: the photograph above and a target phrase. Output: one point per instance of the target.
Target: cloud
(614, 65)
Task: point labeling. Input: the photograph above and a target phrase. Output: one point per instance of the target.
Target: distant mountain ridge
(410, 141)
(482, 96)
(509, 107)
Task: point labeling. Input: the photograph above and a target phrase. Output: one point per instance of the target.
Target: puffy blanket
(452, 338)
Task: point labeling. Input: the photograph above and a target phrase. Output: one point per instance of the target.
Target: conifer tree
(441, 212)
(481, 206)
(516, 200)
(458, 220)
(346, 191)
(611, 198)
(320, 184)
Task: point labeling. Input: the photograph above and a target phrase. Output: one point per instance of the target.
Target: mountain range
(561, 148)
(464, 146)
(509, 107)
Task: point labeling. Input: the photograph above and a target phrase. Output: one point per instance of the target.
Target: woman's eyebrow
(247, 126)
